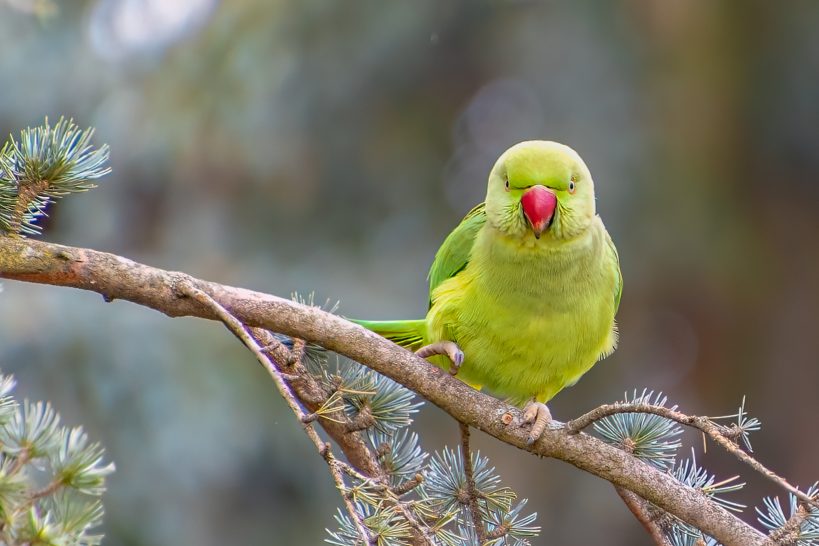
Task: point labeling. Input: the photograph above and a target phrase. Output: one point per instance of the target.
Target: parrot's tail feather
(406, 333)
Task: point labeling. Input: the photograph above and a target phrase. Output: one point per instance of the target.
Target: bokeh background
(330, 146)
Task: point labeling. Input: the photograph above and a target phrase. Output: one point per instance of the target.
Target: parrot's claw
(539, 416)
(448, 348)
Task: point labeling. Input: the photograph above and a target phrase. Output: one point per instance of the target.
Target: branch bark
(115, 277)
(284, 389)
(644, 514)
(471, 494)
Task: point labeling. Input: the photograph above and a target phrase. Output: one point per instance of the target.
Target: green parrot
(523, 293)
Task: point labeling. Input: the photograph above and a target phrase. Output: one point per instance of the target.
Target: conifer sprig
(46, 163)
(804, 520)
(51, 477)
(649, 437)
(693, 475)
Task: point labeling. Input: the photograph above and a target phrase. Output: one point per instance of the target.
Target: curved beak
(539, 208)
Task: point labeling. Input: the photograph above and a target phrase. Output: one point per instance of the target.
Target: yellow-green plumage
(531, 315)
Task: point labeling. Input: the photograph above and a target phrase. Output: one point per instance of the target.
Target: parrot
(523, 293)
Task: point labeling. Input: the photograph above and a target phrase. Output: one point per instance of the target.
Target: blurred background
(330, 146)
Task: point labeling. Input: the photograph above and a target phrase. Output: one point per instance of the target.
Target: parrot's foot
(448, 348)
(539, 416)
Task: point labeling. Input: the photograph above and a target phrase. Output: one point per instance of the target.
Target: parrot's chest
(531, 323)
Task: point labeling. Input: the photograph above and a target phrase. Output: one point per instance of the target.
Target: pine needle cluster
(51, 477)
(46, 163)
(656, 440)
(426, 493)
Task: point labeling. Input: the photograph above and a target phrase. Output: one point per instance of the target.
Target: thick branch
(323, 449)
(118, 278)
(337, 468)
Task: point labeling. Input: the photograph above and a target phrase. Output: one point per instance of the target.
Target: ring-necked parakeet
(524, 291)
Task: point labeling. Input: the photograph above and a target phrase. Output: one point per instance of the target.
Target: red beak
(539, 208)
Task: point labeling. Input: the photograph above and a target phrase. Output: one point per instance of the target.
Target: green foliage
(402, 458)
(693, 475)
(745, 425)
(385, 524)
(655, 440)
(517, 527)
(446, 482)
(430, 490)
(390, 404)
(649, 437)
(51, 477)
(46, 163)
(33, 431)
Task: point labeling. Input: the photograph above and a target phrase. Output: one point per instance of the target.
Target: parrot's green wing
(449, 260)
(618, 288)
(453, 255)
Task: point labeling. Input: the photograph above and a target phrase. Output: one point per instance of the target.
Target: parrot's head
(540, 188)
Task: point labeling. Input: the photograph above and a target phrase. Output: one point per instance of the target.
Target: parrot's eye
(572, 184)
(507, 184)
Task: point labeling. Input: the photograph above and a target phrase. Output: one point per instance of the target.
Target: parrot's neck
(547, 244)
(529, 269)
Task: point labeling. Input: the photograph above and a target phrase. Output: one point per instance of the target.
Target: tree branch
(118, 278)
(312, 395)
(718, 433)
(337, 468)
(791, 532)
(646, 514)
(470, 493)
(237, 328)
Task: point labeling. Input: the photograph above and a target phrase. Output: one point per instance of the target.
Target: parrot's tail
(406, 333)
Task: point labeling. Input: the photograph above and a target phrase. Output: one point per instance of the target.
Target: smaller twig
(297, 353)
(362, 421)
(336, 471)
(236, 327)
(46, 491)
(309, 418)
(420, 535)
(642, 511)
(274, 348)
(391, 496)
(471, 493)
(409, 485)
(719, 434)
(356, 475)
(382, 450)
(27, 194)
(498, 531)
(49, 489)
(318, 399)
(20, 461)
